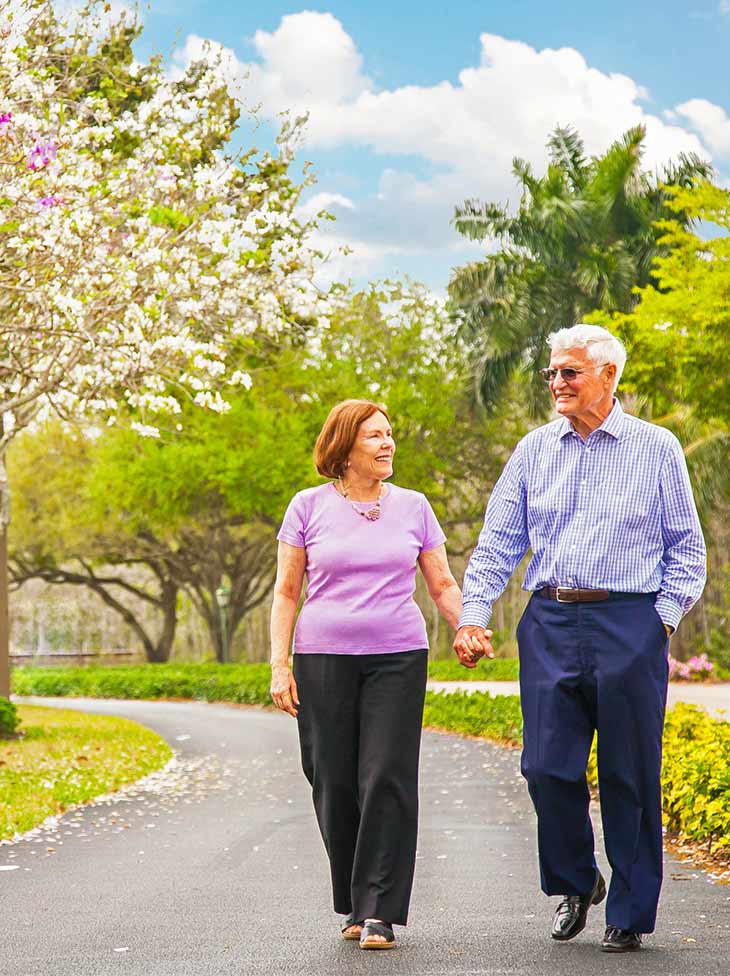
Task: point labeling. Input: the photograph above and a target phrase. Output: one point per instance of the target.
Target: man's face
(591, 389)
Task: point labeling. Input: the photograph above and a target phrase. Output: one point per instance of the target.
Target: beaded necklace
(373, 513)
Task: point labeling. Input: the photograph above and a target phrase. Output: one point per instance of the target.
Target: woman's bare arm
(442, 587)
(445, 593)
(291, 564)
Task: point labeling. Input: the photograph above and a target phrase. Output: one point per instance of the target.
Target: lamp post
(223, 599)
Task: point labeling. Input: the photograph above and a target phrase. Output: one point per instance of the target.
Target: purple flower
(50, 201)
(6, 123)
(43, 153)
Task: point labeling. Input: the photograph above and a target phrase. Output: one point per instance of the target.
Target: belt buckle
(565, 589)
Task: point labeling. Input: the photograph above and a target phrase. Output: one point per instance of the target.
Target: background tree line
(153, 527)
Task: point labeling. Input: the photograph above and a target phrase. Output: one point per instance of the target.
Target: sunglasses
(568, 373)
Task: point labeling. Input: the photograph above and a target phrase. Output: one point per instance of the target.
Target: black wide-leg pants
(360, 734)
(602, 667)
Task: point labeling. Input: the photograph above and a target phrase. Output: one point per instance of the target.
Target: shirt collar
(614, 425)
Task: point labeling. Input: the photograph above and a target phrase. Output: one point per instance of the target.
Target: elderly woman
(360, 656)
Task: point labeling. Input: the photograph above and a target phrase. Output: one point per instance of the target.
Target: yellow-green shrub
(696, 776)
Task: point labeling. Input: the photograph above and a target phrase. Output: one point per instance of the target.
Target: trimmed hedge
(244, 683)
(488, 669)
(481, 714)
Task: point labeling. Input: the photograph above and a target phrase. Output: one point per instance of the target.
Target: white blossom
(132, 259)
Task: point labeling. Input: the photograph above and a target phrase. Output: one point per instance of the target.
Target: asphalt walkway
(215, 868)
(714, 697)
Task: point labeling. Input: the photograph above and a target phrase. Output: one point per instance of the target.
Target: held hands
(471, 643)
(284, 689)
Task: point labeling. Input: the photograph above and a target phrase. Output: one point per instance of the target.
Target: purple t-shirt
(361, 575)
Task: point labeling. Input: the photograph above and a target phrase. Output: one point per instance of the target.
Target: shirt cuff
(476, 615)
(670, 613)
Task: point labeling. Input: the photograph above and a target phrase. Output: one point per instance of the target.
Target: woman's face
(372, 453)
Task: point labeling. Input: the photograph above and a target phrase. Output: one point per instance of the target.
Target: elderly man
(604, 502)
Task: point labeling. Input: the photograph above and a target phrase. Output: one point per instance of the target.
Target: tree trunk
(168, 605)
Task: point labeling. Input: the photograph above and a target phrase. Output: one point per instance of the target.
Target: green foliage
(93, 497)
(677, 334)
(719, 651)
(66, 757)
(169, 217)
(583, 238)
(8, 717)
(696, 776)
(481, 714)
(496, 669)
(396, 346)
(245, 683)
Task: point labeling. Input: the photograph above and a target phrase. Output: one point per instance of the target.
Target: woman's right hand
(284, 689)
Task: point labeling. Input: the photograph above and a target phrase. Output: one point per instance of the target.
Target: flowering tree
(140, 521)
(139, 255)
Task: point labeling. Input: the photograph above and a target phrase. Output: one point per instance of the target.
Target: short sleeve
(433, 534)
(293, 527)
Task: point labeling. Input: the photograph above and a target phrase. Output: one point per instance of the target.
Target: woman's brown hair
(339, 433)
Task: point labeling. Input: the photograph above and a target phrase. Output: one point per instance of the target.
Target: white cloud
(309, 59)
(325, 201)
(466, 132)
(710, 121)
(724, 6)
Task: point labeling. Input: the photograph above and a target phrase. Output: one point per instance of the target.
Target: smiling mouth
(384, 457)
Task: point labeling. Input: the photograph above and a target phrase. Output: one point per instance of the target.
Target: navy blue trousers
(585, 667)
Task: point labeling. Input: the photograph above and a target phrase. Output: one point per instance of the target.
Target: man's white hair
(600, 344)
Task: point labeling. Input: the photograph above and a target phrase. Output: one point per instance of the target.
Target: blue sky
(415, 106)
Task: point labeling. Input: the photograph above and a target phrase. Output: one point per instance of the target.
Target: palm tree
(583, 238)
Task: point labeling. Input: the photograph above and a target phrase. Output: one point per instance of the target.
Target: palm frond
(488, 280)
(494, 377)
(686, 170)
(617, 174)
(477, 220)
(567, 151)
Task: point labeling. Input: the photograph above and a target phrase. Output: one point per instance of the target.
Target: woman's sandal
(349, 924)
(370, 929)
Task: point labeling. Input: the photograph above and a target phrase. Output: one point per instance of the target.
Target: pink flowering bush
(698, 668)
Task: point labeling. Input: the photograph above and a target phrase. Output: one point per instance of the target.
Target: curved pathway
(714, 697)
(215, 868)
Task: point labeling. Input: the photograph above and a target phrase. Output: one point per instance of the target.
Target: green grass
(494, 669)
(64, 757)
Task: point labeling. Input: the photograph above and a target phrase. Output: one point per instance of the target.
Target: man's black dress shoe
(619, 940)
(570, 917)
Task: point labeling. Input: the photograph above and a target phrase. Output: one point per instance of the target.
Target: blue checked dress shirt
(612, 512)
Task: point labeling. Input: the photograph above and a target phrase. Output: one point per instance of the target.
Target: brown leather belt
(564, 594)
